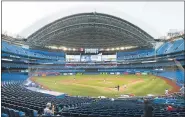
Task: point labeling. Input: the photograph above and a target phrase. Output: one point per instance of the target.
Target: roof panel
(95, 30)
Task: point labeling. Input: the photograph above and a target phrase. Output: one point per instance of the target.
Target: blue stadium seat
(4, 115)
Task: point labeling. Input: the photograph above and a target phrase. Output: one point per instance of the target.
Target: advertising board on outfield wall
(138, 73)
(144, 73)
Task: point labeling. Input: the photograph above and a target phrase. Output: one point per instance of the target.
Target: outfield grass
(94, 85)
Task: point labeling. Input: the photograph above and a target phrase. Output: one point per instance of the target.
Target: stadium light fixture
(126, 47)
(108, 49)
(122, 48)
(64, 48)
(60, 47)
(69, 49)
(53, 47)
(102, 49)
(112, 49)
(74, 49)
(117, 48)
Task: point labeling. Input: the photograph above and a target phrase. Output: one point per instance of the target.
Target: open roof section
(90, 30)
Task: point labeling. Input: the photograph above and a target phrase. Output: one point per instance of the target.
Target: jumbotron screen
(88, 58)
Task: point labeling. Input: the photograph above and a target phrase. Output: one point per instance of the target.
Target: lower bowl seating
(17, 101)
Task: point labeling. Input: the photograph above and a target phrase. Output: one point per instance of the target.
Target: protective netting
(44, 70)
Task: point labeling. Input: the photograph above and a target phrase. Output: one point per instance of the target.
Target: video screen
(89, 58)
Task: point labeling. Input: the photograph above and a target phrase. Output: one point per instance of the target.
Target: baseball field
(106, 85)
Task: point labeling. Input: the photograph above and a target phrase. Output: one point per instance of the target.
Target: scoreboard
(90, 54)
(88, 58)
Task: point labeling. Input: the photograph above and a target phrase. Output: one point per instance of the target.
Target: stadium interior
(88, 44)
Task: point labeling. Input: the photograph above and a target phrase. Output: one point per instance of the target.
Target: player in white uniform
(125, 86)
(166, 92)
(104, 79)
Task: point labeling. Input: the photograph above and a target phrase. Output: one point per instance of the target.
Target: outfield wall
(178, 76)
(88, 73)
